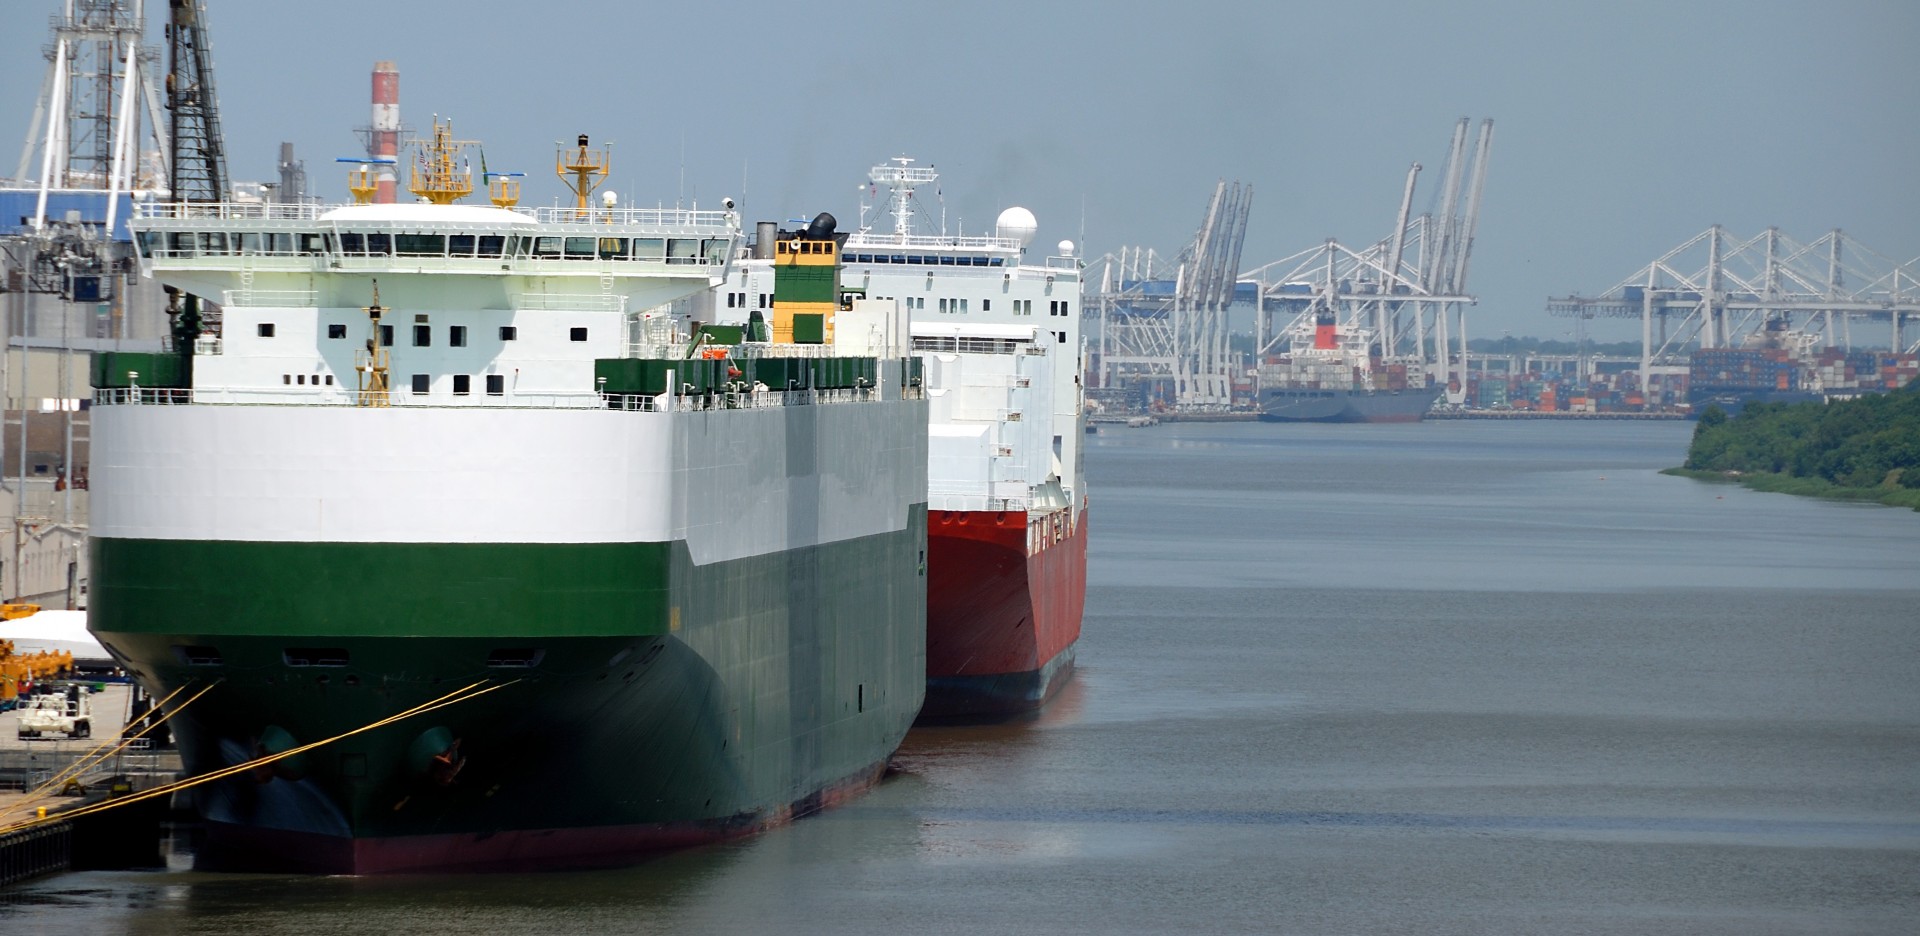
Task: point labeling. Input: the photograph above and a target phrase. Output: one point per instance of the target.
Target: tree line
(1872, 441)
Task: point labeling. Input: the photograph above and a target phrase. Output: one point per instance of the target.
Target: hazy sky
(1622, 128)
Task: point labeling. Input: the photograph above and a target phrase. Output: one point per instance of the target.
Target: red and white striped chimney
(384, 141)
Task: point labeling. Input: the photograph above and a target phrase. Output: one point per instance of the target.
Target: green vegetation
(1864, 449)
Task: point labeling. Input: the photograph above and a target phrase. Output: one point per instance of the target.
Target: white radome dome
(1066, 248)
(1018, 224)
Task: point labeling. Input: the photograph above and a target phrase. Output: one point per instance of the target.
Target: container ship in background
(1781, 365)
(1007, 502)
(1328, 375)
(653, 585)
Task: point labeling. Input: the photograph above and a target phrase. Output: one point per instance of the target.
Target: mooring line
(463, 694)
(94, 757)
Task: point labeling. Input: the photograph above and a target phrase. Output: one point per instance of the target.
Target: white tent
(55, 631)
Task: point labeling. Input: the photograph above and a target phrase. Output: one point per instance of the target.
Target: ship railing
(968, 345)
(758, 398)
(794, 351)
(336, 396)
(631, 402)
(275, 298)
(631, 217)
(562, 302)
(974, 501)
(590, 219)
(678, 350)
(229, 211)
(866, 240)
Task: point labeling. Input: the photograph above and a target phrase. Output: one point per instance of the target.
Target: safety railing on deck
(267, 211)
(273, 298)
(969, 345)
(631, 402)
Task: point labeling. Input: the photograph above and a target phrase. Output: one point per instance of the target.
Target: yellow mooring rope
(100, 752)
(462, 694)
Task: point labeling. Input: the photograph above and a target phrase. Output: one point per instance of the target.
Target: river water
(1456, 677)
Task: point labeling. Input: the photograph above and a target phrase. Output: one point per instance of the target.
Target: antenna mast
(588, 168)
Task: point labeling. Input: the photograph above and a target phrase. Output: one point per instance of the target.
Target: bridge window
(380, 245)
(717, 250)
(613, 248)
(649, 248)
(351, 243)
(682, 250)
(460, 245)
(546, 248)
(493, 245)
(579, 248)
(421, 245)
(311, 244)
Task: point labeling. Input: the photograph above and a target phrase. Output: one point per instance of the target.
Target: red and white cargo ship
(999, 331)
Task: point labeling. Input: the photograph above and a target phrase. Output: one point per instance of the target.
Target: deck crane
(197, 161)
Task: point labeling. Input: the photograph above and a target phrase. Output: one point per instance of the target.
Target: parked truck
(67, 712)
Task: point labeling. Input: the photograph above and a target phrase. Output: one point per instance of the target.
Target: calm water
(1446, 678)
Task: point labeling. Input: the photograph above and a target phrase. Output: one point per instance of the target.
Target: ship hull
(1005, 596)
(1286, 404)
(759, 661)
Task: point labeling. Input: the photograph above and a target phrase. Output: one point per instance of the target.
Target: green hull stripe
(379, 589)
(787, 672)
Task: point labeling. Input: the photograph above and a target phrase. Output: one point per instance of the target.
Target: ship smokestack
(383, 142)
(1325, 337)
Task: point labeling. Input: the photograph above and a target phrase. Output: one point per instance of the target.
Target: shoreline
(1774, 483)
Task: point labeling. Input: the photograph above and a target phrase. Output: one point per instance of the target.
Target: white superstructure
(491, 306)
(999, 331)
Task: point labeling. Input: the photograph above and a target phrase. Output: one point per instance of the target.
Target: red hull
(1005, 594)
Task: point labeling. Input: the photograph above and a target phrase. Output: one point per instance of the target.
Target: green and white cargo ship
(665, 584)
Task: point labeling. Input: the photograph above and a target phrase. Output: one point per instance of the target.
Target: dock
(1536, 414)
(111, 838)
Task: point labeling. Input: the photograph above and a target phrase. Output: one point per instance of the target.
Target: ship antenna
(372, 363)
(588, 168)
(436, 176)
